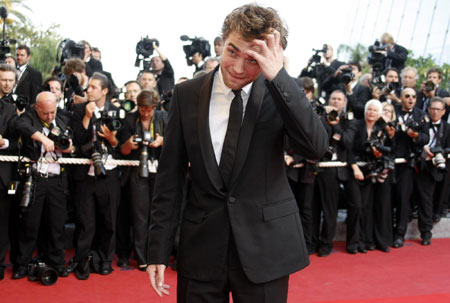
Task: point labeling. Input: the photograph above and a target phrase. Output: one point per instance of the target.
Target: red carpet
(410, 274)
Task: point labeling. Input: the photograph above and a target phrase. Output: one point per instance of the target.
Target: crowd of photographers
(78, 112)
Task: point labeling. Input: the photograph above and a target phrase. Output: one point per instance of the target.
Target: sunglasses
(410, 96)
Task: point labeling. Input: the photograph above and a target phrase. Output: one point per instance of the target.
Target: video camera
(144, 49)
(198, 45)
(65, 50)
(144, 141)
(5, 49)
(376, 60)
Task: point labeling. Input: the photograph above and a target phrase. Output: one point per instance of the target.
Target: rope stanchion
(72, 161)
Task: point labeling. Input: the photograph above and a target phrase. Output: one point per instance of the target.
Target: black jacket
(30, 84)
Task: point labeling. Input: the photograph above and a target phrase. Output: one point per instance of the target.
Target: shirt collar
(221, 86)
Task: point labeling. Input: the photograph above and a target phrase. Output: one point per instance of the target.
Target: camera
(68, 49)
(333, 115)
(440, 155)
(26, 173)
(429, 86)
(144, 49)
(414, 125)
(346, 75)
(19, 101)
(144, 141)
(376, 60)
(315, 60)
(61, 138)
(318, 106)
(5, 49)
(198, 45)
(392, 86)
(112, 118)
(39, 271)
(93, 150)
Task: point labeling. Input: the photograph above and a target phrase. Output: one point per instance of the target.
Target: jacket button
(231, 200)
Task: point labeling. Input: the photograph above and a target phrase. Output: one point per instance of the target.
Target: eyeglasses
(407, 96)
(436, 109)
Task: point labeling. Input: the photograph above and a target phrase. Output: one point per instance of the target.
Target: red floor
(413, 273)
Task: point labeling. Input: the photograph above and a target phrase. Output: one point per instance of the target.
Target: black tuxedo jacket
(28, 124)
(396, 57)
(8, 117)
(92, 66)
(30, 84)
(404, 144)
(443, 134)
(357, 101)
(258, 208)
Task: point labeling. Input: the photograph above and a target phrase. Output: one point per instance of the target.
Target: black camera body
(375, 59)
(21, 102)
(144, 141)
(94, 151)
(346, 75)
(39, 271)
(198, 45)
(414, 125)
(390, 87)
(113, 119)
(430, 86)
(440, 156)
(145, 46)
(61, 138)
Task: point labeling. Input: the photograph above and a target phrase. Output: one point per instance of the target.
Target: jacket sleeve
(307, 134)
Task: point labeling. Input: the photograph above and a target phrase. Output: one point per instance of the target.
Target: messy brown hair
(252, 21)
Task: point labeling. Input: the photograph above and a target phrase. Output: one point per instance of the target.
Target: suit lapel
(204, 133)
(251, 114)
(24, 75)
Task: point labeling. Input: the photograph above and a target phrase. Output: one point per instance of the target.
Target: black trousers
(425, 186)
(49, 202)
(328, 187)
(123, 224)
(5, 214)
(234, 281)
(304, 195)
(141, 194)
(96, 201)
(403, 191)
(376, 221)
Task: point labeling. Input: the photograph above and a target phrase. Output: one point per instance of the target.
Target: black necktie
(231, 137)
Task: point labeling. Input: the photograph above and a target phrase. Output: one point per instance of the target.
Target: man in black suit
(394, 55)
(8, 146)
(407, 143)
(29, 81)
(240, 230)
(97, 188)
(163, 71)
(48, 199)
(432, 170)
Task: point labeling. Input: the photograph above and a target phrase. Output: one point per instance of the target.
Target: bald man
(407, 141)
(35, 126)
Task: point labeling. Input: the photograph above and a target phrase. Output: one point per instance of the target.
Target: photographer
(54, 85)
(8, 78)
(8, 146)
(341, 130)
(163, 71)
(433, 166)
(394, 55)
(76, 82)
(408, 141)
(142, 137)
(97, 187)
(41, 129)
(321, 67)
(431, 89)
(373, 145)
(147, 80)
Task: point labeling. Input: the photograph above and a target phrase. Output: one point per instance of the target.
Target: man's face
(435, 78)
(218, 47)
(22, 57)
(391, 76)
(238, 69)
(409, 79)
(329, 53)
(132, 90)
(157, 64)
(408, 98)
(146, 112)
(338, 101)
(96, 55)
(148, 81)
(46, 108)
(55, 88)
(95, 92)
(7, 82)
(436, 111)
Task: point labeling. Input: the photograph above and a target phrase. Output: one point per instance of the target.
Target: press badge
(152, 166)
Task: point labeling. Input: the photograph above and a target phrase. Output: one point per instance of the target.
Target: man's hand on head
(269, 55)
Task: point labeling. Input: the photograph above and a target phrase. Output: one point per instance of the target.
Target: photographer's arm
(160, 54)
(48, 144)
(128, 146)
